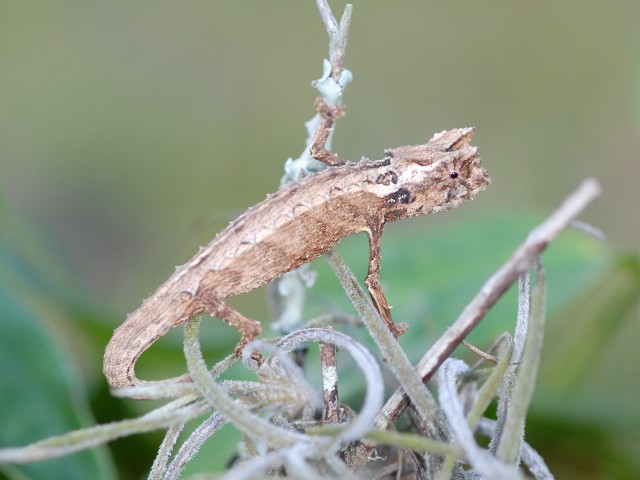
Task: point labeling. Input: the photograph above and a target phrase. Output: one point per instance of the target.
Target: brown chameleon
(294, 226)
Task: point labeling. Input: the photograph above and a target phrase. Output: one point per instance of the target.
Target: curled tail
(156, 316)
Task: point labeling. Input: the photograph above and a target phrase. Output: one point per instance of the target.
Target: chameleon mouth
(472, 175)
(480, 177)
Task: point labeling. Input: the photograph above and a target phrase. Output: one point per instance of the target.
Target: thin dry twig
(330, 398)
(520, 262)
(338, 35)
(481, 353)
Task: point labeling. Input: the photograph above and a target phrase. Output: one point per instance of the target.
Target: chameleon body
(294, 226)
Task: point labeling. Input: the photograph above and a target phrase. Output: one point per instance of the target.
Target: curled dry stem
(368, 366)
(513, 431)
(247, 422)
(176, 412)
(480, 459)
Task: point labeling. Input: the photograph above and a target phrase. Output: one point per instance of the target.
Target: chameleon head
(436, 176)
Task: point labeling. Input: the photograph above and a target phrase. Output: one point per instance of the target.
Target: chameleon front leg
(373, 282)
(318, 149)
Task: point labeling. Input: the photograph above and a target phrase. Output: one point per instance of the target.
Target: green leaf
(41, 392)
(590, 365)
(433, 268)
(592, 321)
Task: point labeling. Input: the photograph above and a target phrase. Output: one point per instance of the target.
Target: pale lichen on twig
(289, 292)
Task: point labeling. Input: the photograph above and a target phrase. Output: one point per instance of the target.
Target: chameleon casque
(294, 226)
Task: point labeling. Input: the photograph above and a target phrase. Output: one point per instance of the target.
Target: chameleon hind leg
(249, 329)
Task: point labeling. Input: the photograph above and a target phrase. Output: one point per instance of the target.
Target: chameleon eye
(453, 174)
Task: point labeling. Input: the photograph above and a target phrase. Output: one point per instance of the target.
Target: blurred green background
(131, 132)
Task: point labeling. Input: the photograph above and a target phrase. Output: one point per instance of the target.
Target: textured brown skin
(294, 226)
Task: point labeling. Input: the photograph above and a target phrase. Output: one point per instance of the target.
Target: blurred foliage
(430, 270)
(43, 393)
(126, 124)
